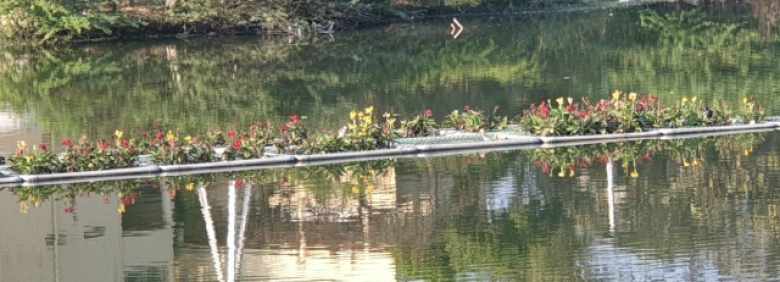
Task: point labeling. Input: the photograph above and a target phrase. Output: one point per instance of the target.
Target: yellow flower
(20, 145)
(571, 100)
(560, 101)
(616, 95)
(562, 173)
(632, 96)
(634, 174)
(685, 163)
(352, 115)
(189, 186)
(171, 136)
(370, 110)
(30, 158)
(370, 189)
(188, 139)
(360, 114)
(119, 134)
(693, 99)
(744, 100)
(571, 173)
(695, 163)
(121, 208)
(368, 119)
(684, 100)
(747, 153)
(355, 190)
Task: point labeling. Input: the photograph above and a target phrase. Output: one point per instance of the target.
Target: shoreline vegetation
(42, 22)
(623, 113)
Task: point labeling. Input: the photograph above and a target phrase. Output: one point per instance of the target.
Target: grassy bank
(52, 22)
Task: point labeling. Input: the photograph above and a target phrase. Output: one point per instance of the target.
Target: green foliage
(422, 125)
(52, 21)
(32, 161)
(621, 114)
(475, 120)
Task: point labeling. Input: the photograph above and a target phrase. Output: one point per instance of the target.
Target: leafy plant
(33, 161)
(475, 120)
(421, 125)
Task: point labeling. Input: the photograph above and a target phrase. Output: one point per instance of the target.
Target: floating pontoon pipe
(11, 179)
(230, 164)
(601, 137)
(694, 130)
(475, 145)
(355, 155)
(135, 171)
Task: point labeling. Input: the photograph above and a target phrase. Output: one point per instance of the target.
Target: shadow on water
(640, 210)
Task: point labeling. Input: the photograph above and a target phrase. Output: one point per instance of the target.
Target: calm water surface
(709, 52)
(697, 210)
(682, 210)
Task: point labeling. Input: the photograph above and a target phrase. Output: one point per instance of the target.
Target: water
(46, 96)
(703, 210)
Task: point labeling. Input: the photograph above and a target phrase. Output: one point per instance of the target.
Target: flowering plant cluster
(421, 125)
(474, 120)
(362, 133)
(621, 114)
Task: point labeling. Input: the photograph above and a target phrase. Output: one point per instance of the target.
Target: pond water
(701, 209)
(709, 52)
(674, 210)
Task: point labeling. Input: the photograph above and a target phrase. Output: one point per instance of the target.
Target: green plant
(33, 161)
(87, 156)
(421, 125)
(751, 111)
(52, 21)
(475, 120)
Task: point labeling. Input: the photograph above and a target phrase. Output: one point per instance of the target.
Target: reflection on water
(720, 52)
(701, 209)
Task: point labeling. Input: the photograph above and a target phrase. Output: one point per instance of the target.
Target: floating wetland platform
(404, 149)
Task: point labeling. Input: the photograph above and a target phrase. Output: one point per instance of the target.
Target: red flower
(283, 128)
(237, 144)
(43, 147)
(67, 143)
(583, 114)
(545, 112)
(546, 169)
(647, 157)
(231, 133)
(571, 108)
(125, 143)
(645, 101)
(602, 159)
(428, 113)
(131, 150)
(160, 135)
(239, 184)
(70, 209)
(584, 164)
(572, 167)
(295, 119)
(103, 145)
(154, 143)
